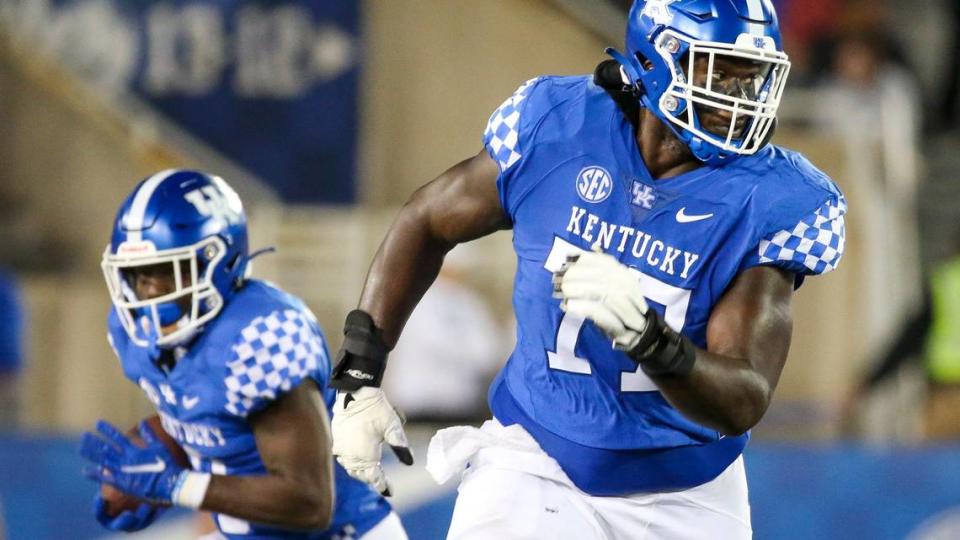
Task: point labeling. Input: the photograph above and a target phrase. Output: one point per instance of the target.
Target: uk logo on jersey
(643, 195)
(594, 184)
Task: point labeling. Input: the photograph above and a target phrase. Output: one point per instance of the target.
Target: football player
(659, 238)
(237, 370)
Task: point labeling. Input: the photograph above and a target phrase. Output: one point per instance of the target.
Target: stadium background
(326, 115)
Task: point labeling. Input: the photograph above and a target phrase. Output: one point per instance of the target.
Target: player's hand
(126, 521)
(596, 286)
(362, 421)
(150, 472)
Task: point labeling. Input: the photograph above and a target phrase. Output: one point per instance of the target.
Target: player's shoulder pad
(802, 228)
(277, 346)
(512, 129)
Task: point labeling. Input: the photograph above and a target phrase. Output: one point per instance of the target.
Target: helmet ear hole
(643, 61)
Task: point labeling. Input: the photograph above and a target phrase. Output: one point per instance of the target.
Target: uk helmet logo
(659, 11)
(594, 184)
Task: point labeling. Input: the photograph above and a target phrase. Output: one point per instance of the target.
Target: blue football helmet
(193, 222)
(665, 38)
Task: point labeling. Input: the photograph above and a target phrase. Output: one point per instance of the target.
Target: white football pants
(389, 528)
(512, 490)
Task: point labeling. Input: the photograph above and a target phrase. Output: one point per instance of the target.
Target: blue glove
(125, 521)
(149, 473)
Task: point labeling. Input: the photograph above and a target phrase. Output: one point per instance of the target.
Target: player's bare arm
(293, 438)
(461, 204)
(731, 383)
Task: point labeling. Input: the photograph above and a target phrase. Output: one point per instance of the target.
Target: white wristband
(191, 489)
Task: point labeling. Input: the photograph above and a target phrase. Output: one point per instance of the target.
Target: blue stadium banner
(270, 84)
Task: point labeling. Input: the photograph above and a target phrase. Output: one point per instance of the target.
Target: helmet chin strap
(246, 263)
(170, 313)
(259, 252)
(704, 151)
(186, 337)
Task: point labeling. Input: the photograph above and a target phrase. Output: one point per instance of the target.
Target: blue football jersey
(264, 343)
(572, 177)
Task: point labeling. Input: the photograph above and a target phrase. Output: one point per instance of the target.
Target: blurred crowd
(895, 109)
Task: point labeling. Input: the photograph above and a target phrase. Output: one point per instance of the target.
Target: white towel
(511, 447)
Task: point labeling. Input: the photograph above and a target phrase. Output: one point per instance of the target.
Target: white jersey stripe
(755, 12)
(138, 208)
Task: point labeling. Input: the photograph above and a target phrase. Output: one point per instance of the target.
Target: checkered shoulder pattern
(272, 355)
(503, 129)
(814, 245)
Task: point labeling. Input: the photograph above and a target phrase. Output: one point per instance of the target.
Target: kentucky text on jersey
(192, 434)
(659, 255)
(571, 179)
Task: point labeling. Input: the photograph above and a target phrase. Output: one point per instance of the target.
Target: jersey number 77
(563, 357)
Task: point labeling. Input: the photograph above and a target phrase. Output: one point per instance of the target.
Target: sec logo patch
(594, 184)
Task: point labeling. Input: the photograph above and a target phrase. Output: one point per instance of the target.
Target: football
(118, 501)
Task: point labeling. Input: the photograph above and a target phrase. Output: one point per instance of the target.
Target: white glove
(362, 421)
(598, 287)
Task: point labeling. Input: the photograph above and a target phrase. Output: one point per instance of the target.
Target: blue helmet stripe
(138, 208)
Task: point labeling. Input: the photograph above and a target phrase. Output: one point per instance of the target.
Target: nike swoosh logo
(157, 466)
(683, 217)
(189, 403)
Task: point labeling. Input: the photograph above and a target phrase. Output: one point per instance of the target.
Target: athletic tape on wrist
(191, 489)
(661, 350)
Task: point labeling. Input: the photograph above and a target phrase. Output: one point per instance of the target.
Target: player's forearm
(722, 393)
(272, 500)
(731, 383)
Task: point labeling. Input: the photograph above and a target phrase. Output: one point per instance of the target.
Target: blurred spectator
(11, 349)
(450, 349)
(949, 102)
(872, 105)
(806, 24)
(932, 335)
